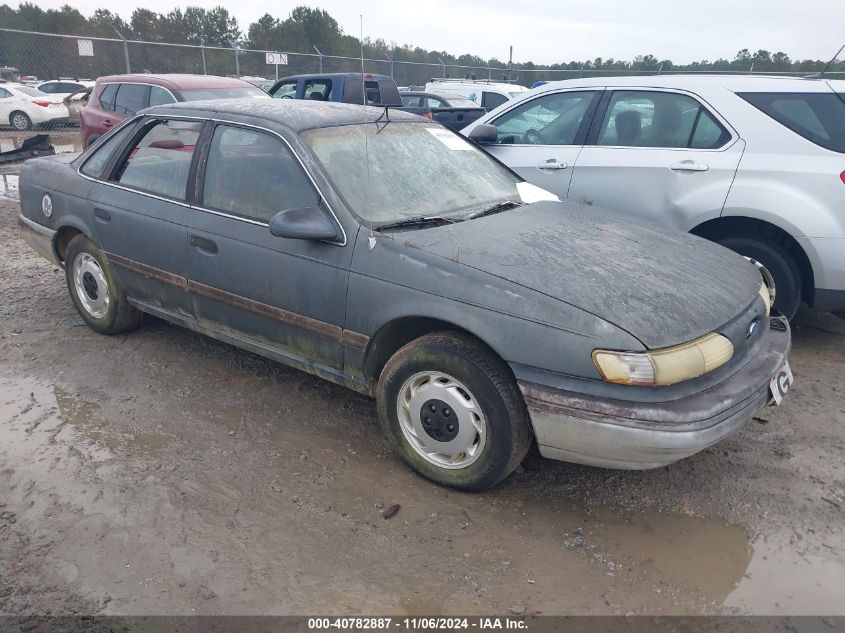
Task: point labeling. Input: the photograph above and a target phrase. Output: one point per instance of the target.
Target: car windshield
(201, 94)
(392, 172)
(29, 90)
(460, 102)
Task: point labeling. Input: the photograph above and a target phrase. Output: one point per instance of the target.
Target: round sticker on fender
(47, 205)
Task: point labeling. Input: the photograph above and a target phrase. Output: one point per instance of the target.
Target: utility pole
(510, 63)
(442, 66)
(202, 49)
(125, 48)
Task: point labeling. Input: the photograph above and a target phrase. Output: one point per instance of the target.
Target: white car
(487, 94)
(754, 163)
(23, 107)
(64, 87)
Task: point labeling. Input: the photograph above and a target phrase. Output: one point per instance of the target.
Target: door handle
(203, 245)
(102, 215)
(688, 165)
(551, 165)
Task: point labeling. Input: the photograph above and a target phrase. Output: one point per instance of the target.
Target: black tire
(779, 263)
(119, 316)
(492, 385)
(20, 121)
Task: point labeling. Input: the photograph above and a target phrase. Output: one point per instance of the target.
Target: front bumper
(39, 238)
(637, 436)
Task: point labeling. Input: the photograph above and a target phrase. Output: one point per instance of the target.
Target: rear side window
(107, 97)
(317, 89)
(160, 96)
(491, 100)
(4, 93)
(160, 160)
(650, 118)
(253, 174)
(818, 117)
(131, 98)
(97, 162)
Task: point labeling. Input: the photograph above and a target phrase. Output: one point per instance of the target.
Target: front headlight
(665, 366)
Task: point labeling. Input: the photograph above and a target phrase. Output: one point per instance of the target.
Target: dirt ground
(161, 472)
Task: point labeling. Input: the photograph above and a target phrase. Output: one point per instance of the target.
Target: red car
(117, 97)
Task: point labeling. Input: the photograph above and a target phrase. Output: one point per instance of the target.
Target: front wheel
(96, 296)
(780, 265)
(451, 409)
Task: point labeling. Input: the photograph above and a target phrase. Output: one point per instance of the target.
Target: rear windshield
(818, 117)
(201, 94)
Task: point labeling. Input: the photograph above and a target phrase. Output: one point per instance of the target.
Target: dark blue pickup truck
(360, 88)
(453, 111)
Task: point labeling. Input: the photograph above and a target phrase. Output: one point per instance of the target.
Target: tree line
(305, 28)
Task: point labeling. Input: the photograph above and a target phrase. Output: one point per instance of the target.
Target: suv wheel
(777, 260)
(451, 409)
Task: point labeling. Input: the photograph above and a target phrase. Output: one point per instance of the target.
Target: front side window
(410, 101)
(491, 100)
(131, 98)
(317, 89)
(160, 96)
(552, 119)
(285, 90)
(387, 173)
(161, 159)
(433, 102)
(107, 97)
(659, 119)
(99, 159)
(254, 174)
(817, 116)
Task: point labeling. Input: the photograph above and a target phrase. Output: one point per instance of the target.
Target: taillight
(40, 102)
(427, 115)
(842, 177)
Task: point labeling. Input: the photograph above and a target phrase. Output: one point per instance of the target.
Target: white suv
(487, 94)
(754, 163)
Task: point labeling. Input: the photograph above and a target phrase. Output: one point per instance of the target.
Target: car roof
(177, 81)
(296, 114)
(734, 83)
(329, 75)
(445, 83)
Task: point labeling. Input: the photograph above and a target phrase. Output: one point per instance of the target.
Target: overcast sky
(547, 31)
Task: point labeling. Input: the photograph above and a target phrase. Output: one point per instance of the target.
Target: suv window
(107, 97)
(48, 88)
(318, 89)
(817, 116)
(286, 90)
(97, 161)
(659, 119)
(160, 159)
(131, 98)
(552, 119)
(491, 100)
(253, 174)
(160, 96)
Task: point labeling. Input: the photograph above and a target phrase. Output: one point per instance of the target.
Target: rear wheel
(780, 265)
(451, 409)
(20, 121)
(96, 296)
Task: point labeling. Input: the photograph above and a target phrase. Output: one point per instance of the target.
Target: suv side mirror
(484, 134)
(308, 223)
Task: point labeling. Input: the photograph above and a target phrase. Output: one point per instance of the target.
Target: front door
(140, 214)
(659, 155)
(287, 297)
(540, 138)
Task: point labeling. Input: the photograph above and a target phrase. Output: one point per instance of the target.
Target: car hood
(661, 286)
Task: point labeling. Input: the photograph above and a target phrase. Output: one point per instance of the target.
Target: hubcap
(767, 278)
(91, 286)
(19, 122)
(441, 420)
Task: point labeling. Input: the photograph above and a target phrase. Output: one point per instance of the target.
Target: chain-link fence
(36, 57)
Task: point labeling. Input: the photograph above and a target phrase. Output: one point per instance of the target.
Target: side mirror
(484, 134)
(308, 223)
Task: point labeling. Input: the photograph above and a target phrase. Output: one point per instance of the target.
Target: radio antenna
(827, 67)
(372, 238)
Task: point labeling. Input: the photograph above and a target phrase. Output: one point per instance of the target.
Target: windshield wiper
(421, 220)
(494, 208)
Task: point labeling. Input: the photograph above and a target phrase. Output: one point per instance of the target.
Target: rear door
(140, 213)
(541, 138)
(288, 297)
(662, 155)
